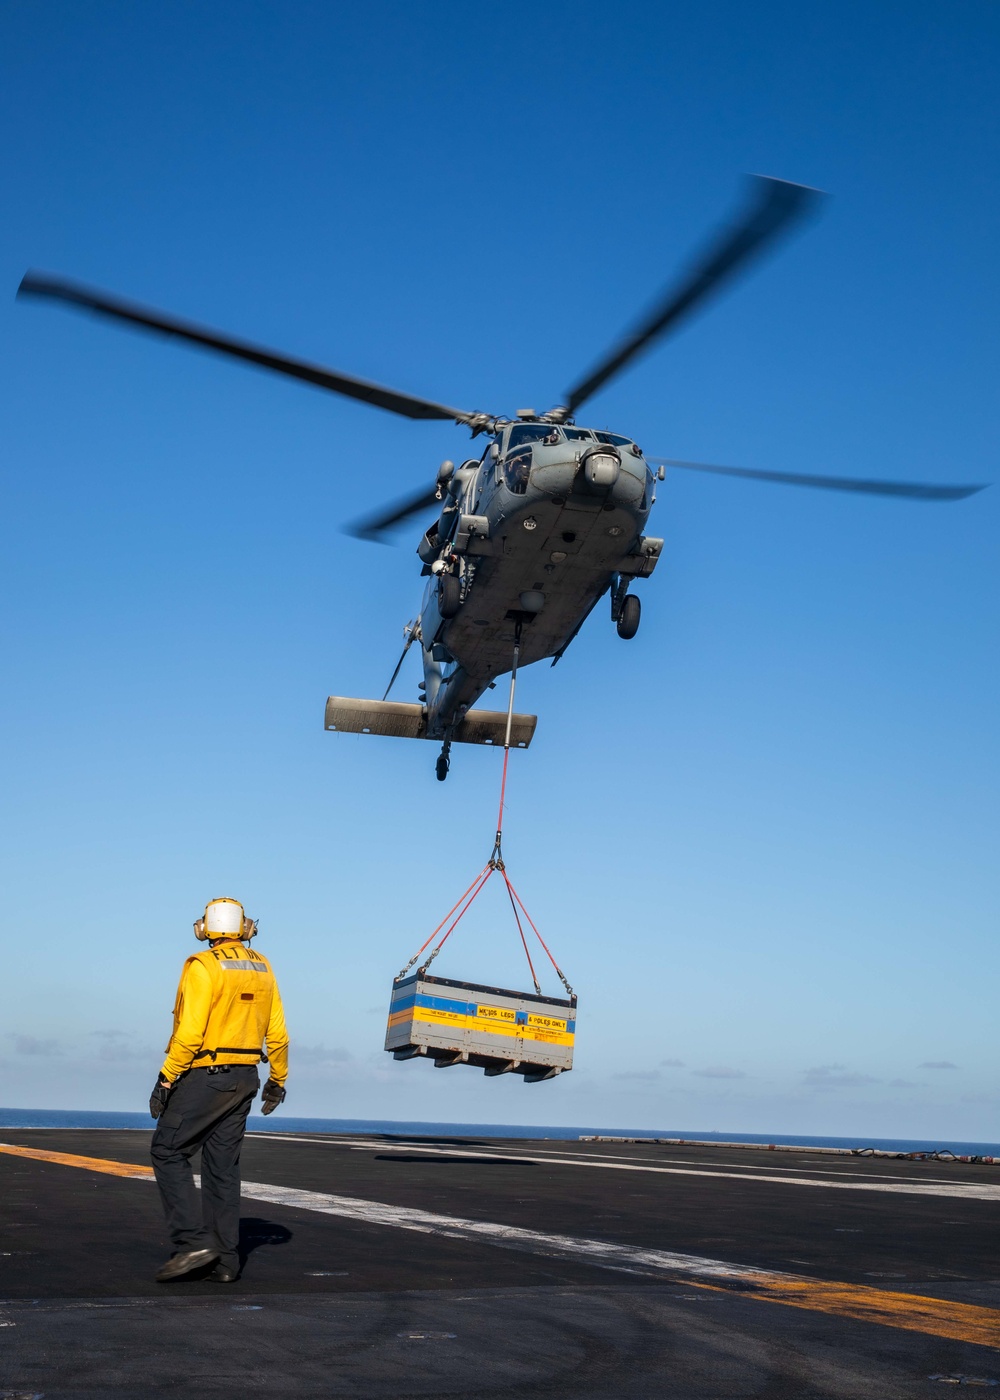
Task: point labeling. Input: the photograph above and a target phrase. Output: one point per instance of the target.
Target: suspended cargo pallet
(463, 1023)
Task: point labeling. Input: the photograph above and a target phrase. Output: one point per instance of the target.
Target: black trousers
(207, 1111)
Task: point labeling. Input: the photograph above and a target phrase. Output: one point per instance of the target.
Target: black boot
(184, 1262)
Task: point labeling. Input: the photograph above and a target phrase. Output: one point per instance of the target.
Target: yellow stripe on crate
(430, 1015)
(496, 1013)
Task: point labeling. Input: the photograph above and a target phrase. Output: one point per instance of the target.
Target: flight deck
(380, 1266)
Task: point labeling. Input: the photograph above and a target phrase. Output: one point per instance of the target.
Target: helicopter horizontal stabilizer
(400, 720)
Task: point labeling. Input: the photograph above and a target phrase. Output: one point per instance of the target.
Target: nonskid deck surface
(391, 1267)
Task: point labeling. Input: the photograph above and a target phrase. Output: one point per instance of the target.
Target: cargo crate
(463, 1023)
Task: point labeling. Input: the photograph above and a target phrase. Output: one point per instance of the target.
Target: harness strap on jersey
(233, 1050)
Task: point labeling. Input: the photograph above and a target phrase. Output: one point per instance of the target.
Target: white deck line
(983, 1191)
(627, 1258)
(362, 1144)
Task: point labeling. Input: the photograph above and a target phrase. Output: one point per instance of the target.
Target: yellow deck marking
(960, 1322)
(936, 1317)
(91, 1164)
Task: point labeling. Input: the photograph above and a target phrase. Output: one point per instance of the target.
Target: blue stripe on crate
(461, 1008)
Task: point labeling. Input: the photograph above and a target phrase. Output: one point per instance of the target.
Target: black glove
(158, 1098)
(273, 1094)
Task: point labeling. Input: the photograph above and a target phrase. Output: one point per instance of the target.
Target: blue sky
(761, 837)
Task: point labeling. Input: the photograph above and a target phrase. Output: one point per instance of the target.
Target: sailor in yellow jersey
(227, 1019)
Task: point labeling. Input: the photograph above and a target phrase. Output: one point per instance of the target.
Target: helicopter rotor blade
(911, 490)
(773, 206)
(38, 284)
(373, 527)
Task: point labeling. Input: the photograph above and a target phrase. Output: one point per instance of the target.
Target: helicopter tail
(401, 720)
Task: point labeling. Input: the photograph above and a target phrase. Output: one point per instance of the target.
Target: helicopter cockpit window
(616, 440)
(531, 432)
(517, 468)
(517, 463)
(578, 434)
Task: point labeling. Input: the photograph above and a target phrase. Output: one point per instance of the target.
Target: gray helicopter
(534, 532)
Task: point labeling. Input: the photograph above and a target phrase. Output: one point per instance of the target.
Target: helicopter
(548, 520)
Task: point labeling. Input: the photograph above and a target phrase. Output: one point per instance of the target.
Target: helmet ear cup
(249, 929)
(199, 930)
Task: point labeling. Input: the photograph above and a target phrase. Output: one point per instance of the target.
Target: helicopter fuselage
(531, 536)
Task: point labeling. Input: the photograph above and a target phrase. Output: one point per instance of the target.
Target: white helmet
(224, 918)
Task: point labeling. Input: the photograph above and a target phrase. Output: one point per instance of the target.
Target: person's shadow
(255, 1232)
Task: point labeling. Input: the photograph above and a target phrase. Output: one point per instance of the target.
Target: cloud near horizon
(824, 1077)
(118, 1046)
(317, 1054)
(31, 1045)
(719, 1072)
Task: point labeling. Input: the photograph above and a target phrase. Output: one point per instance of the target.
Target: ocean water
(71, 1118)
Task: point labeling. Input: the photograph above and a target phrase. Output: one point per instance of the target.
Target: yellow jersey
(228, 1012)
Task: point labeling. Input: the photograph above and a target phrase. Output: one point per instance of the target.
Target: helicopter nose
(601, 467)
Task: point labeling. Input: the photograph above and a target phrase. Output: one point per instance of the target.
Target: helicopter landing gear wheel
(443, 762)
(628, 618)
(449, 595)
